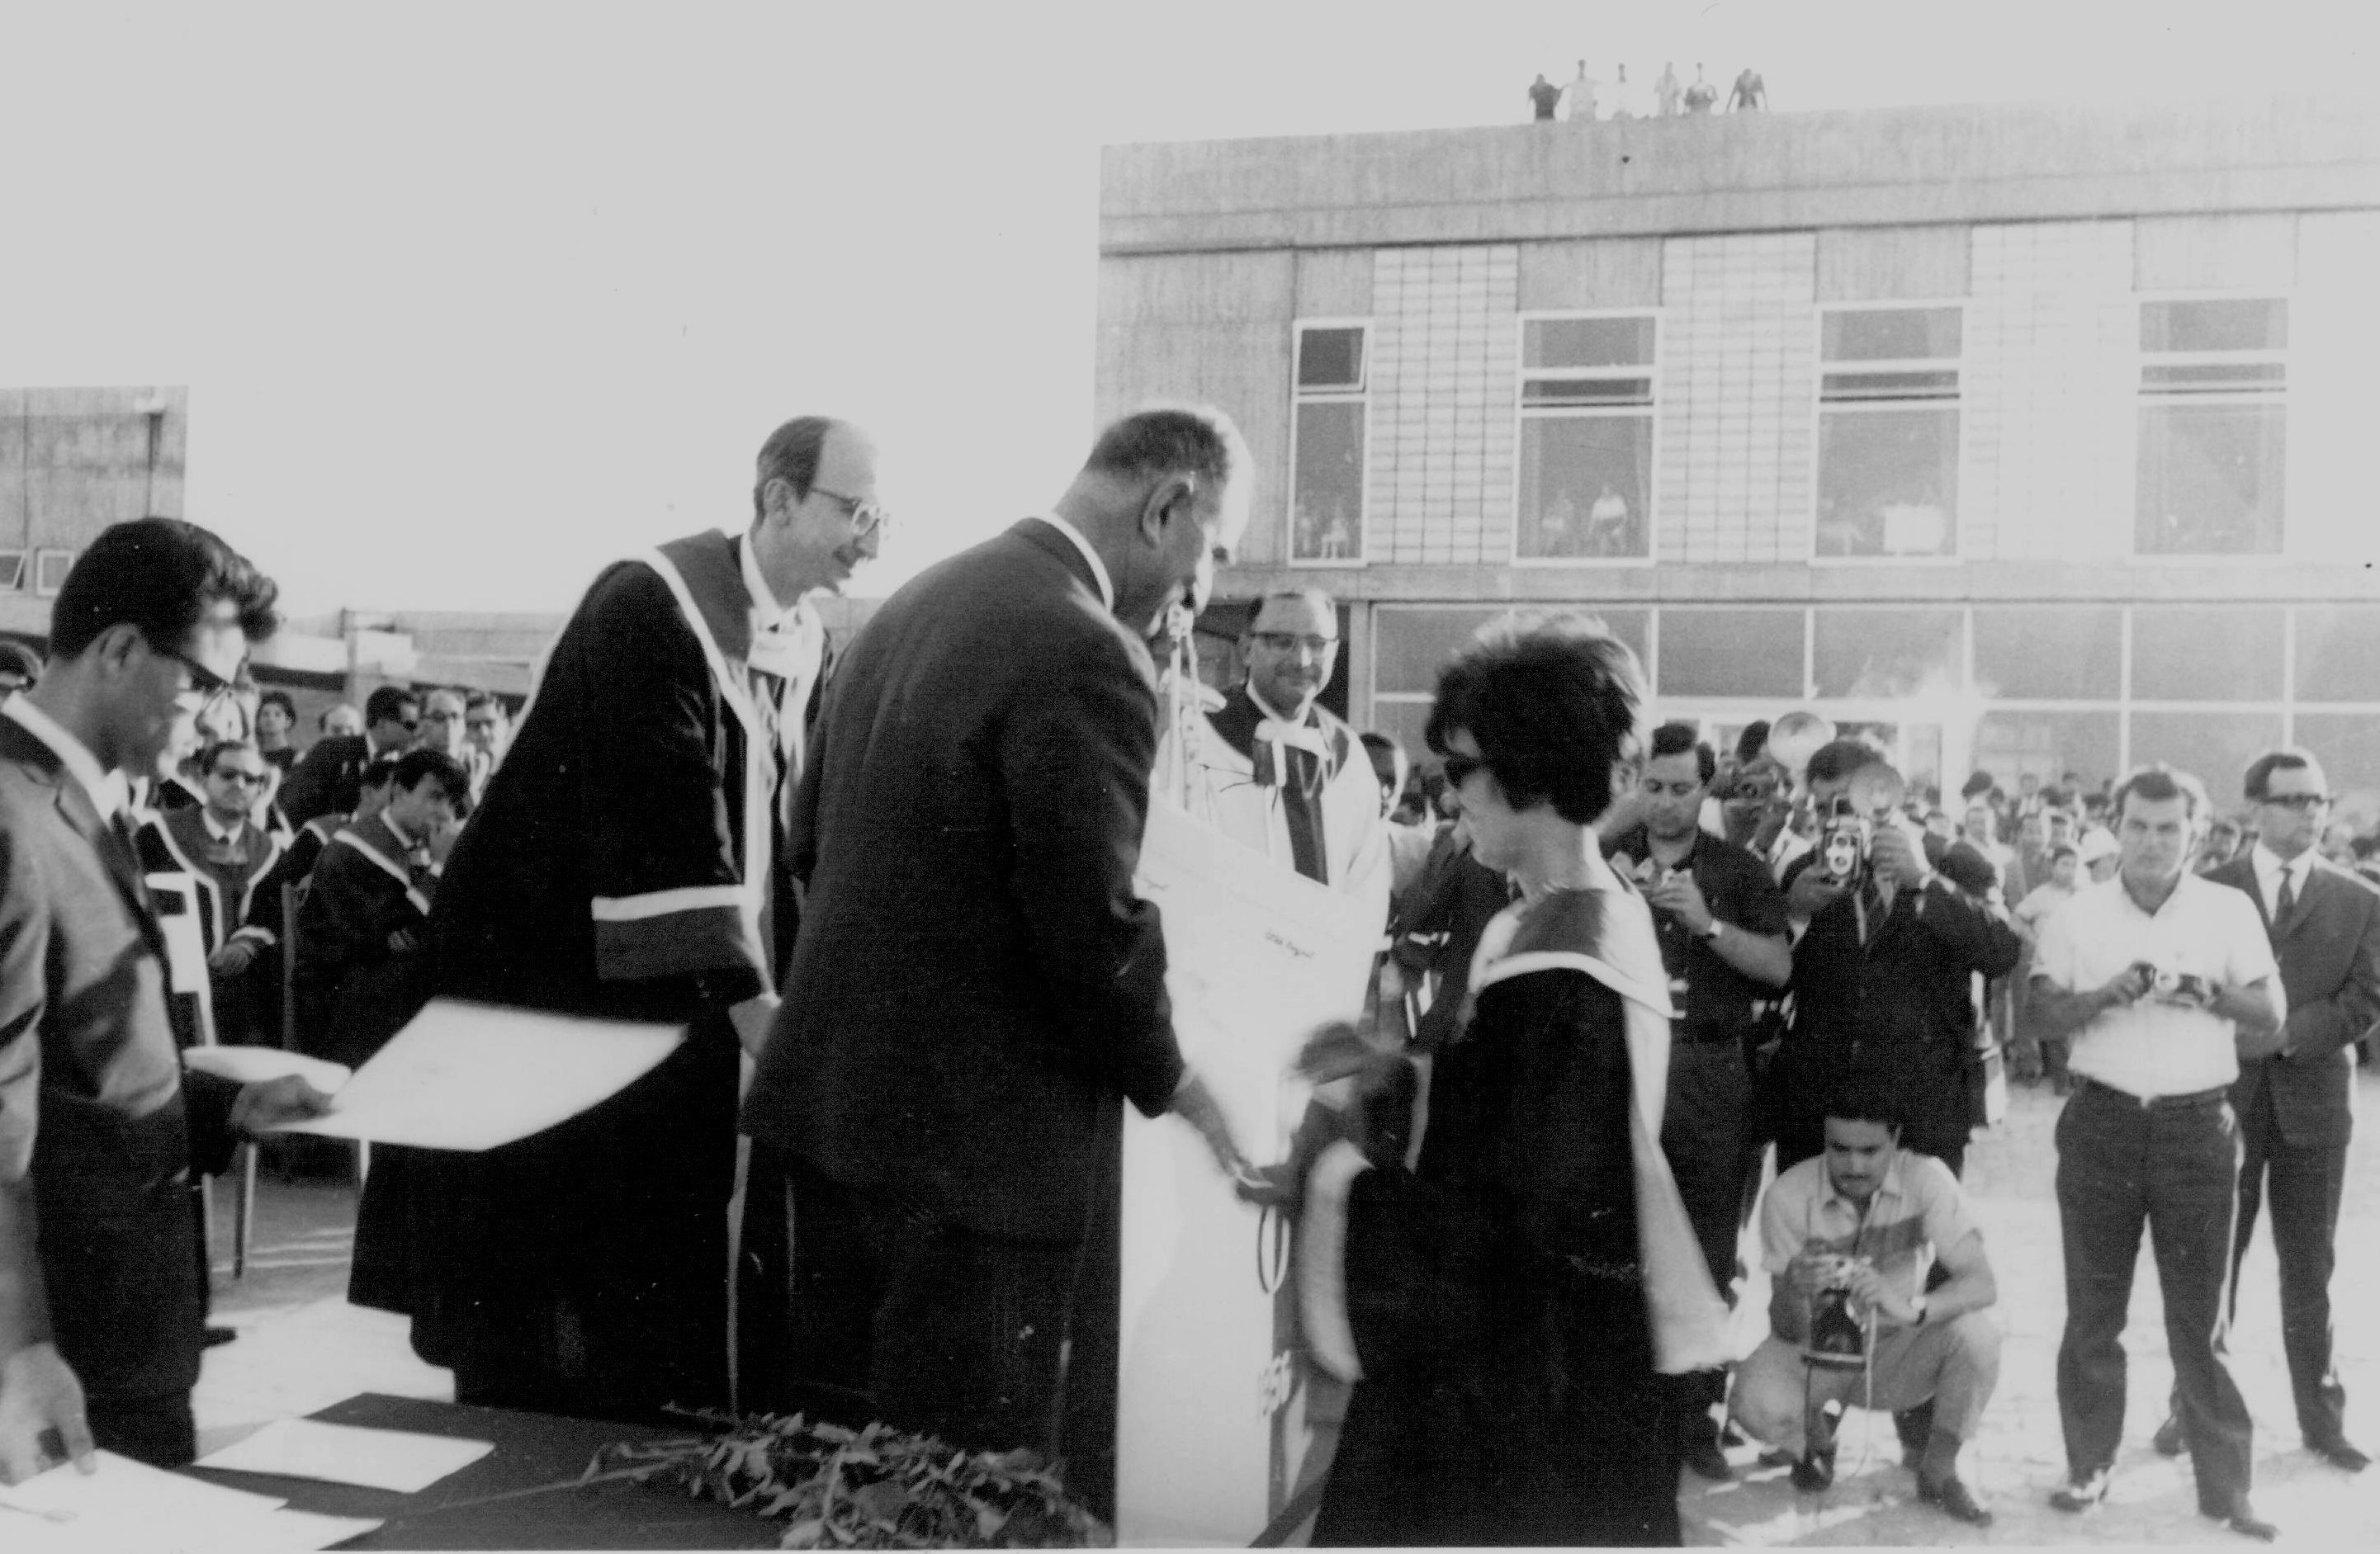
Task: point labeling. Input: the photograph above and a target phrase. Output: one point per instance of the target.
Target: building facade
(2030, 439)
(73, 461)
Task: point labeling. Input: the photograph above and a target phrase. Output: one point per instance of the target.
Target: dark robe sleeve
(356, 988)
(313, 787)
(206, 1103)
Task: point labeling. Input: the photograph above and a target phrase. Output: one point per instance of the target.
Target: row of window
(45, 570)
(2211, 420)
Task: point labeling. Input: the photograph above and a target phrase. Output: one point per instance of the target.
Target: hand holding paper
(40, 1396)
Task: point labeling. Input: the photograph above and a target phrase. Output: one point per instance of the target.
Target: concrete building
(73, 461)
(2029, 438)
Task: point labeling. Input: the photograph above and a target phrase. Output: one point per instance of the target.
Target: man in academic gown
(626, 864)
(227, 856)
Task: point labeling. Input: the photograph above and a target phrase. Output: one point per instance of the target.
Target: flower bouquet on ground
(876, 1487)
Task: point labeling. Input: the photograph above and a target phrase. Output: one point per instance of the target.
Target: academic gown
(176, 840)
(360, 972)
(619, 867)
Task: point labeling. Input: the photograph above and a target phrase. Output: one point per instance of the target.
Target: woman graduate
(1513, 1285)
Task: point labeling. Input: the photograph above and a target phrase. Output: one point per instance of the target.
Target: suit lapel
(122, 866)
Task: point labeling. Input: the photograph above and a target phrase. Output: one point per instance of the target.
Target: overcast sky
(471, 298)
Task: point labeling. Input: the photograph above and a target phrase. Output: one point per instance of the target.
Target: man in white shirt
(2166, 983)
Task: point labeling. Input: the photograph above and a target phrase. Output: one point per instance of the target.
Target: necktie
(2289, 896)
(1873, 908)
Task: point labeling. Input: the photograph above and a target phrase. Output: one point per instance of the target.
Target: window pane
(1889, 334)
(2199, 652)
(2210, 479)
(1586, 342)
(1328, 506)
(1330, 358)
(1731, 653)
(1412, 643)
(1886, 652)
(1587, 391)
(2230, 324)
(2049, 652)
(2339, 652)
(2214, 747)
(1890, 385)
(1887, 482)
(2348, 745)
(2048, 744)
(1584, 480)
(1403, 721)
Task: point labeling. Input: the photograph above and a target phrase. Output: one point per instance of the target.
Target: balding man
(626, 863)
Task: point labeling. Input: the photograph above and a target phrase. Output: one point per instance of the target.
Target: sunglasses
(867, 514)
(2296, 801)
(247, 779)
(206, 687)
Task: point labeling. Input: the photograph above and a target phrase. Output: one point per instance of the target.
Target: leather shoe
(2168, 1440)
(2080, 1494)
(2340, 1453)
(1814, 1472)
(1954, 1499)
(1707, 1460)
(2241, 1518)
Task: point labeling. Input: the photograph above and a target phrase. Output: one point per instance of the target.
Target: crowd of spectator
(1586, 97)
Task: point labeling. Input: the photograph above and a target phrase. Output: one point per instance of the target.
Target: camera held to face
(1838, 1334)
(1843, 842)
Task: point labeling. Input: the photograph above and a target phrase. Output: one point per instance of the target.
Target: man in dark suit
(1882, 980)
(329, 778)
(977, 985)
(101, 1291)
(2295, 1107)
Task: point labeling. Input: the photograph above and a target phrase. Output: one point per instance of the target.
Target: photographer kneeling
(1846, 1239)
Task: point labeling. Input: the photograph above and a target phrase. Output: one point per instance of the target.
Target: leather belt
(2162, 1103)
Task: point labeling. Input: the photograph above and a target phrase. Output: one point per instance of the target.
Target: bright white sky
(471, 298)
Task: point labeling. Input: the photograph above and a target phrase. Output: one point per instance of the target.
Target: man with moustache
(2297, 1106)
(1722, 924)
(626, 863)
(977, 985)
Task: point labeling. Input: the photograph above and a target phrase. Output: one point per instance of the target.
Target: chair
(175, 898)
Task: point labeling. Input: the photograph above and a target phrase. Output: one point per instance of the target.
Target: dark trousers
(158, 1431)
(2304, 1183)
(1705, 1125)
(2122, 1166)
(895, 1313)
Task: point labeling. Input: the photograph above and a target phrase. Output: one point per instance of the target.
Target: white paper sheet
(249, 1066)
(398, 1460)
(473, 1076)
(129, 1508)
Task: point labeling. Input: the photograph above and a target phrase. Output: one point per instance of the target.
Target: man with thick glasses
(329, 778)
(2296, 1106)
(226, 854)
(101, 1289)
(628, 862)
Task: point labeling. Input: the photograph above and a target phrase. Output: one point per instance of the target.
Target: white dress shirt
(1099, 577)
(2271, 870)
(106, 788)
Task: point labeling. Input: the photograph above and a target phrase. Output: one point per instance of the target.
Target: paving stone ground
(303, 1347)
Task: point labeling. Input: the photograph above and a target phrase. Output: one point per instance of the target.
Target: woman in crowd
(1507, 1300)
(276, 719)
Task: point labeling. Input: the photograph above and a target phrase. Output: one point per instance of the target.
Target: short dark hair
(381, 771)
(1977, 783)
(1838, 759)
(158, 575)
(1303, 596)
(1857, 1093)
(2256, 783)
(1752, 740)
(415, 767)
(1552, 703)
(790, 455)
(214, 752)
(1676, 739)
(2158, 783)
(280, 699)
(1197, 441)
(387, 704)
(478, 699)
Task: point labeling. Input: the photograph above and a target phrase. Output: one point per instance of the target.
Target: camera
(1837, 1336)
(1843, 842)
(2171, 986)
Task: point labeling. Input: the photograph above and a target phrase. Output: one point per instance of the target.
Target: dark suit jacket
(2329, 953)
(976, 984)
(1902, 1002)
(328, 780)
(94, 1102)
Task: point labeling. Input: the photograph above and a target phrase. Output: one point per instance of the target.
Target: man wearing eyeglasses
(224, 854)
(101, 1288)
(329, 778)
(627, 862)
(2296, 1106)
(1277, 770)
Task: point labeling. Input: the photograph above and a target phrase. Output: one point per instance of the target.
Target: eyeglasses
(2296, 801)
(247, 779)
(206, 688)
(1289, 642)
(1460, 768)
(867, 514)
